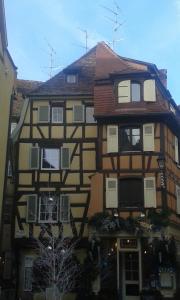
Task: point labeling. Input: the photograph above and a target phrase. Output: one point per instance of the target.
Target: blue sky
(150, 32)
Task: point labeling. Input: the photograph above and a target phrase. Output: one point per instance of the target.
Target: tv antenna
(52, 53)
(86, 38)
(115, 13)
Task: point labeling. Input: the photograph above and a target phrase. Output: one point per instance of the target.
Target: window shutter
(90, 115)
(178, 199)
(124, 91)
(65, 158)
(28, 265)
(149, 90)
(64, 209)
(57, 115)
(34, 158)
(149, 192)
(43, 114)
(148, 137)
(78, 111)
(112, 139)
(176, 149)
(111, 193)
(31, 209)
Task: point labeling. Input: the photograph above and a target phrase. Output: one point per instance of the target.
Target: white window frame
(28, 266)
(58, 108)
(49, 220)
(39, 121)
(42, 168)
(83, 108)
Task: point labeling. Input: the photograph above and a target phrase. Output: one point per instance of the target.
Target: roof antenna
(115, 20)
(51, 54)
(86, 38)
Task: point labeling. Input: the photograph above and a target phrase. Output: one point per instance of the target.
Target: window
(57, 114)
(135, 92)
(178, 199)
(78, 113)
(43, 114)
(130, 192)
(28, 272)
(130, 91)
(130, 139)
(9, 172)
(71, 78)
(48, 209)
(50, 159)
(176, 149)
(90, 115)
(13, 126)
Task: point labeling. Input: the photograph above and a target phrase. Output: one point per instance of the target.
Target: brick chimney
(163, 76)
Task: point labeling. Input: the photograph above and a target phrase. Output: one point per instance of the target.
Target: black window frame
(131, 148)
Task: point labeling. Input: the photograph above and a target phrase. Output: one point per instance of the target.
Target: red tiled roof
(99, 62)
(23, 88)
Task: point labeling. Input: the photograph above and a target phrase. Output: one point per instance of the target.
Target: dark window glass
(130, 192)
(135, 92)
(130, 139)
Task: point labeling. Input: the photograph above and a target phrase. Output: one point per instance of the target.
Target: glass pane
(50, 159)
(135, 131)
(135, 92)
(135, 140)
(57, 114)
(130, 192)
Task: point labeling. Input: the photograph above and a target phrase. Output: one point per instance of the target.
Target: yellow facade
(7, 78)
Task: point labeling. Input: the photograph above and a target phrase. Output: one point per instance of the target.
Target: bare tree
(56, 268)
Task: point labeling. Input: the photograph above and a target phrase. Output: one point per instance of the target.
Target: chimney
(163, 76)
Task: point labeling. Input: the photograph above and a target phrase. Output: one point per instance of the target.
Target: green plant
(159, 218)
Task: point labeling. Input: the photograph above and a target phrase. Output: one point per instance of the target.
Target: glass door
(130, 280)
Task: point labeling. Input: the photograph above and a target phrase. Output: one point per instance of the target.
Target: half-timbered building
(99, 141)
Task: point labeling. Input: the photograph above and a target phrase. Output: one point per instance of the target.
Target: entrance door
(130, 276)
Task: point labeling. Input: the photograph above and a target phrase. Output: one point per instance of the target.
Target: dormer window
(131, 91)
(71, 78)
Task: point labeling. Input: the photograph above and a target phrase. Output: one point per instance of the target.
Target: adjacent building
(97, 153)
(7, 81)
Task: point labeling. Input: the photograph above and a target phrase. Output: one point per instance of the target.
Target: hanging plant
(158, 219)
(106, 223)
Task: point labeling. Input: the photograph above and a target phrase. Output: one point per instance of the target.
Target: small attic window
(71, 78)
